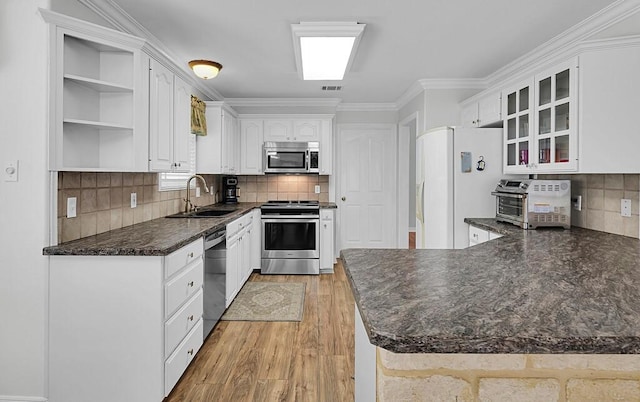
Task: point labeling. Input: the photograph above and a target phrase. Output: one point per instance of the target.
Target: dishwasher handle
(214, 239)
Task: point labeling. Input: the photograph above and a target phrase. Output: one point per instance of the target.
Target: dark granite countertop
(157, 237)
(536, 291)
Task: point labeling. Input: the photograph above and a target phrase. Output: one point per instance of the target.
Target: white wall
(24, 215)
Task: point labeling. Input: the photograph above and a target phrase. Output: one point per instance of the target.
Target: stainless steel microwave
(291, 157)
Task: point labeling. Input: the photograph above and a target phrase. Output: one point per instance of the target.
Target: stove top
(282, 205)
(287, 202)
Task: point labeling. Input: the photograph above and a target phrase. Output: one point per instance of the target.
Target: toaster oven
(534, 203)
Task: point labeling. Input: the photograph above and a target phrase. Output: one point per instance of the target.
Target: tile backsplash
(103, 201)
(282, 187)
(601, 195)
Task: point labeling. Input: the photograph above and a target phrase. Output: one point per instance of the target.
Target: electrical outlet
(134, 200)
(317, 189)
(577, 203)
(71, 207)
(197, 192)
(625, 207)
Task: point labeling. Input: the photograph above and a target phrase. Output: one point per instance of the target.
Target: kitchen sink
(203, 213)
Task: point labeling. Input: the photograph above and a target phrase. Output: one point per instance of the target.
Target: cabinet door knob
(191, 254)
(344, 198)
(190, 318)
(190, 351)
(190, 284)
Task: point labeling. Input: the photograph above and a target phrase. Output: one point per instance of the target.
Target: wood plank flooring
(311, 360)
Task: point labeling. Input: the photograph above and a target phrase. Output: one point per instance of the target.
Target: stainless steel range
(290, 237)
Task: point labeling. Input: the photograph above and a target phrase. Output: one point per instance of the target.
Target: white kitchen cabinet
(256, 240)
(326, 147)
(123, 327)
(540, 122)
(239, 261)
(306, 130)
(98, 98)
(219, 151)
(478, 236)
(169, 120)
(251, 140)
(608, 107)
(485, 112)
(233, 269)
(327, 240)
(278, 130)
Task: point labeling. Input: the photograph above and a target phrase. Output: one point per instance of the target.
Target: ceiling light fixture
(205, 69)
(325, 50)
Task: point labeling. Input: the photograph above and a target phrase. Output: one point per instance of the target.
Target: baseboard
(17, 398)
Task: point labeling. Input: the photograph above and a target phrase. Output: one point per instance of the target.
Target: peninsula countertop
(535, 291)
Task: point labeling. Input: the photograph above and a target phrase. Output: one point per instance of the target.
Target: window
(178, 181)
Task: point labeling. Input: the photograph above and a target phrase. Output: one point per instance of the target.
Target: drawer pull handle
(190, 318)
(190, 284)
(190, 351)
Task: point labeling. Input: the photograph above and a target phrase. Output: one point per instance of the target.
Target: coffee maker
(230, 189)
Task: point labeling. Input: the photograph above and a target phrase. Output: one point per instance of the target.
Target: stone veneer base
(506, 377)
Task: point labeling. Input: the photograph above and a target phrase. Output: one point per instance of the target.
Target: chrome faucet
(188, 206)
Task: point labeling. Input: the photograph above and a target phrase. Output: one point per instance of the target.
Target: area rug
(267, 301)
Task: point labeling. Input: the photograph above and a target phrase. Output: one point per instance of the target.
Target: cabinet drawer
(326, 214)
(181, 322)
(477, 235)
(177, 363)
(177, 260)
(183, 286)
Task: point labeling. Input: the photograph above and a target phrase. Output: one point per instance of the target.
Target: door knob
(344, 198)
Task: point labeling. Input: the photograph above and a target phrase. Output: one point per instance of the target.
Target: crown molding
(453, 83)
(565, 45)
(367, 107)
(284, 102)
(120, 19)
(414, 90)
(95, 30)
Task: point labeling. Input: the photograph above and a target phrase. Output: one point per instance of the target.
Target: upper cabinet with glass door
(540, 124)
(518, 127)
(556, 118)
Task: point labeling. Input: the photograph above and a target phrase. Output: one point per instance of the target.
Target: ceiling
(404, 40)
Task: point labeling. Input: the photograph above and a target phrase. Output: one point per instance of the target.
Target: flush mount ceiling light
(205, 69)
(325, 50)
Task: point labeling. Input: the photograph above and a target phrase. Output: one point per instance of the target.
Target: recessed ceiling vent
(332, 88)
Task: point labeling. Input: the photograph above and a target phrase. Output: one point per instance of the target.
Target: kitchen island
(545, 314)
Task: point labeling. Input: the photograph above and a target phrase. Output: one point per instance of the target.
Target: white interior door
(367, 189)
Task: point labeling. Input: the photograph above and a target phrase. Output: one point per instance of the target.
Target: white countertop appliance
(455, 170)
(534, 203)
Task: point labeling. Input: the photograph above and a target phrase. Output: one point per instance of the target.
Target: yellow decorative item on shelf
(198, 118)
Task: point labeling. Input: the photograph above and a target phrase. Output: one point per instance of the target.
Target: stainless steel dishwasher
(215, 273)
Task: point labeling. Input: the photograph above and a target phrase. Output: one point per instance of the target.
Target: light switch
(317, 189)
(11, 171)
(134, 200)
(71, 207)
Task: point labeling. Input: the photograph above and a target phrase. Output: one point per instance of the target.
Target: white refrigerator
(456, 171)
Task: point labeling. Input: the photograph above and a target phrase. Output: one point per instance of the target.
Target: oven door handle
(290, 218)
(509, 195)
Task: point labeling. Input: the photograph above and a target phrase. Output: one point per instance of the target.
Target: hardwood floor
(311, 360)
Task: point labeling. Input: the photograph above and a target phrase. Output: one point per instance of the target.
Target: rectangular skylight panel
(325, 58)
